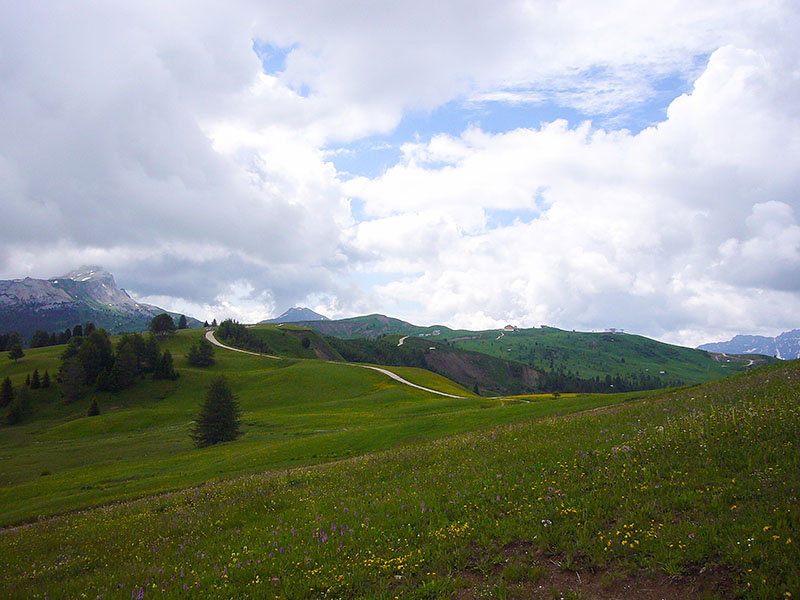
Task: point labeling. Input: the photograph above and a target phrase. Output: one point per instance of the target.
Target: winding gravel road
(210, 337)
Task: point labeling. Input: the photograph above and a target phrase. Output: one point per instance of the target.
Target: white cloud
(147, 138)
(635, 230)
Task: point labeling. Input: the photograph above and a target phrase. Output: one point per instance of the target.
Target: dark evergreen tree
(73, 347)
(94, 409)
(95, 354)
(40, 339)
(219, 419)
(19, 408)
(125, 369)
(77, 330)
(182, 322)
(35, 381)
(15, 353)
(201, 354)
(88, 328)
(53, 339)
(104, 381)
(214, 323)
(72, 378)
(162, 325)
(205, 323)
(28, 380)
(64, 336)
(150, 355)
(6, 392)
(46, 380)
(165, 369)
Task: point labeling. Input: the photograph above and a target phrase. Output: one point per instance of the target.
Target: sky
(583, 165)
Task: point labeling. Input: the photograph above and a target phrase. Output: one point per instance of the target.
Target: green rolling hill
(608, 359)
(348, 484)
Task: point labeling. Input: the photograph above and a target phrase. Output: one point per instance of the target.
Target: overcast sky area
(474, 163)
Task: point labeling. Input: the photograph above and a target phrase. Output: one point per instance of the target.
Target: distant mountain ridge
(296, 315)
(785, 346)
(85, 294)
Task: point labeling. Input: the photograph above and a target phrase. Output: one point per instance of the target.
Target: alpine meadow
(410, 300)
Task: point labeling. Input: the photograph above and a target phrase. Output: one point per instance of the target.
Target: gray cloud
(146, 138)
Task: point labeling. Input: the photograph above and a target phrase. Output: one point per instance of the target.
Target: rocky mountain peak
(87, 273)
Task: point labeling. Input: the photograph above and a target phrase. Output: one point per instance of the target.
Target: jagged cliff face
(86, 294)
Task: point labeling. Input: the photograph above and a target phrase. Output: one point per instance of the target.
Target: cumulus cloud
(631, 230)
(149, 138)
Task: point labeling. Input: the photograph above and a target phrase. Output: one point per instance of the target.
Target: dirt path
(402, 339)
(210, 337)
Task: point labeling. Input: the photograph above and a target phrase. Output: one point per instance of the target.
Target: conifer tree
(94, 409)
(219, 419)
(150, 355)
(201, 354)
(19, 408)
(46, 380)
(73, 378)
(124, 371)
(35, 381)
(162, 325)
(182, 322)
(15, 353)
(6, 392)
(165, 368)
(28, 380)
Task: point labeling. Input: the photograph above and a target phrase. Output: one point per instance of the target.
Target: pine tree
(162, 325)
(19, 408)
(150, 356)
(46, 380)
(6, 392)
(15, 353)
(73, 378)
(201, 354)
(28, 380)
(95, 354)
(94, 409)
(219, 419)
(182, 322)
(35, 381)
(165, 368)
(124, 371)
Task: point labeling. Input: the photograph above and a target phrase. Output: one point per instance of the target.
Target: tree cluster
(9, 339)
(201, 354)
(90, 362)
(17, 403)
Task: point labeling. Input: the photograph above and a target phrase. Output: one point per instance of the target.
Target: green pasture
(295, 412)
(689, 492)
(598, 354)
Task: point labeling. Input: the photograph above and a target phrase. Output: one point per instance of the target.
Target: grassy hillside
(601, 354)
(691, 494)
(642, 362)
(295, 412)
(491, 375)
